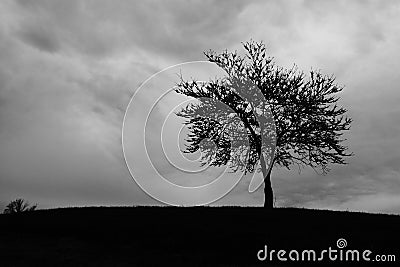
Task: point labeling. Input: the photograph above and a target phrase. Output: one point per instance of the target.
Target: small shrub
(18, 206)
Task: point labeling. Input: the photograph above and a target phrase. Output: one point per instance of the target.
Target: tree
(19, 205)
(308, 124)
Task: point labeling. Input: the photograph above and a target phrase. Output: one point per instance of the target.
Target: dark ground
(200, 236)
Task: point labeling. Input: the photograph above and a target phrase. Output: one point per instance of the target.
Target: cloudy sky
(69, 68)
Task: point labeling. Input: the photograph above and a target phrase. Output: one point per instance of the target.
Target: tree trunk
(268, 192)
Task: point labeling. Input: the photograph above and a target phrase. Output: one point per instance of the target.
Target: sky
(68, 70)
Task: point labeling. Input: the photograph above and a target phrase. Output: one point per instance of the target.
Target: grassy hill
(199, 236)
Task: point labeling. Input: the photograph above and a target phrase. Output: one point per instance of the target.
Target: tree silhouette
(19, 205)
(307, 121)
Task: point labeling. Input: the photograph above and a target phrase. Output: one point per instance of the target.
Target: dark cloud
(41, 38)
(101, 28)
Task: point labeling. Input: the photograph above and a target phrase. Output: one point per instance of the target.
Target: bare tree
(308, 122)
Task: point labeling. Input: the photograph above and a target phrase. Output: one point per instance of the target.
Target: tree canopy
(226, 123)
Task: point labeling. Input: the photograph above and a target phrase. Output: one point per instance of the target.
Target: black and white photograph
(199, 133)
